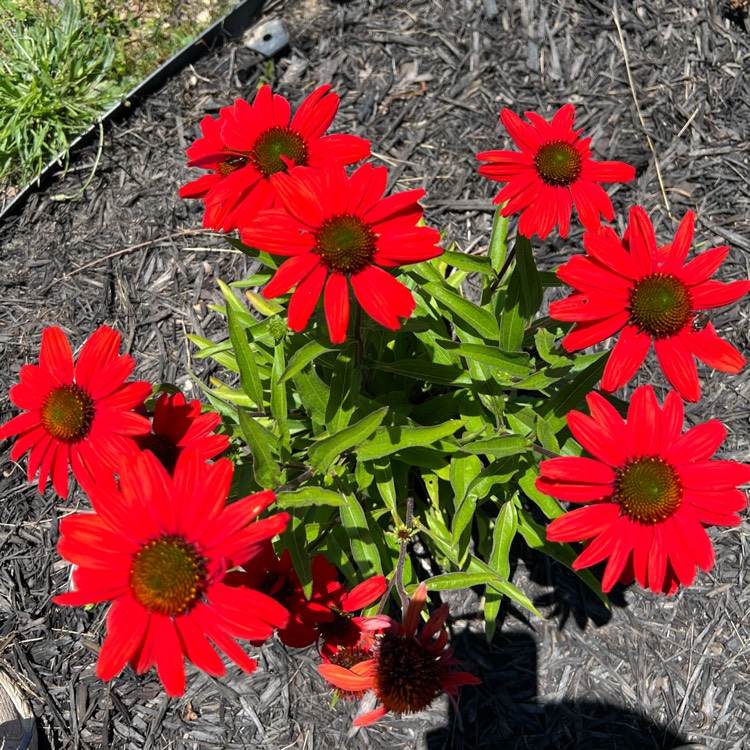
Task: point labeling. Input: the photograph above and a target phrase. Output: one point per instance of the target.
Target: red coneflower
(177, 426)
(553, 171)
(158, 546)
(408, 669)
(78, 415)
(329, 613)
(338, 230)
(649, 294)
(652, 491)
(249, 143)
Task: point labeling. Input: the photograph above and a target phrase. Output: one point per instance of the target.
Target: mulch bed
(425, 81)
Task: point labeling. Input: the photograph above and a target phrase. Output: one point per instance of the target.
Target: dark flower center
(660, 305)
(345, 243)
(67, 413)
(558, 163)
(168, 575)
(273, 144)
(339, 627)
(648, 490)
(407, 676)
(232, 163)
(165, 450)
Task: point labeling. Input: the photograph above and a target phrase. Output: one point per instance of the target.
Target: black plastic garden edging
(233, 24)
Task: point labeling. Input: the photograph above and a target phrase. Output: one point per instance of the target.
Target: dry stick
(638, 109)
(125, 250)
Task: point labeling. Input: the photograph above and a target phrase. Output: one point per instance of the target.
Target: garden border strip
(233, 24)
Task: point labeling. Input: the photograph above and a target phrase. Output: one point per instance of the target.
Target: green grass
(60, 70)
(53, 83)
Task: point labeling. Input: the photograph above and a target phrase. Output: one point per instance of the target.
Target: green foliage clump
(53, 84)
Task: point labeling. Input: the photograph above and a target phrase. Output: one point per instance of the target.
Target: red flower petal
(626, 357)
(574, 492)
(316, 113)
(586, 334)
(55, 356)
(336, 304)
(620, 555)
(305, 298)
(714, 351)
(697, 444)
(578, 470)
(597, 440)
(714, 475)
(126, 625)
(644, 423)
(711, 294)
(525, 137)
(583, 523)
(703, 266)
(641, 239)
(290, 272)
(678, 366)
(680, 245)
(383, 298)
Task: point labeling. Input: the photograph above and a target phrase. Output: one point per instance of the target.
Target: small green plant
(53, 84)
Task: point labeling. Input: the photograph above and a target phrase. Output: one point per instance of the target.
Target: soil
(424, 80)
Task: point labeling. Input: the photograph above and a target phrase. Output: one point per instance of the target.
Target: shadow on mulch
(522, 721)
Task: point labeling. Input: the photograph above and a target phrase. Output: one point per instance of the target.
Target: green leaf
(506, 526)
(512, 319)
(387, 440)
(279, 401)
(459, 580)
(514, 363)
(469, 263)
(324, 452)
(556, 409)
(482, 321)
(313, 394)
(295, 540)
(531, 285)
(253, 252)
(548, 505)
(259, 440)
(249, 378)
(506, 445)
(309, 496)
(345, 384)
(498, 247)
(364, 549)
(428, 371)
(302, 357)
(535, 536)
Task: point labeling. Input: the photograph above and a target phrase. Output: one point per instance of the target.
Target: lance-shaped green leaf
(504, 445)
(295, 540)
(309, 496)
(572, 395)
(302, 357)
(253, 252)
(324, 452)
(345, 384)
(463, 470)
(458, 580)
(260, 440)
(279, 401)
(313, 393)
(514, 363)
(498, 246)
(512, 318)
(535, 536)
(482, 321)
(469, 263)
(249, 378)
(265, 307)
(548, 505)
(531, 285)
(503, 534)
(383, 470)
(498, 471)
(364, 549)
(428, 371)
(387, 440)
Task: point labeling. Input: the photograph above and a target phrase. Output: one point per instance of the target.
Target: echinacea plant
(440, 415)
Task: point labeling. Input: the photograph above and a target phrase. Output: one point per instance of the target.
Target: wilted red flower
(338, 230)
(178, 426)
(329, 613)
(408, 669)
(652, 491)
(158, 547)
(249, 143)
(77, 414)
(650, 294)
(553, 171)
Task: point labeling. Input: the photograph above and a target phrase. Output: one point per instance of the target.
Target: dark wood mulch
(425, 81)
